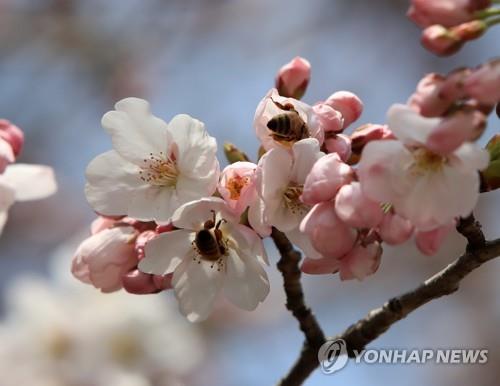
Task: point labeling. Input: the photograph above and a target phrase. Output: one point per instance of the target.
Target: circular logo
(332, 356)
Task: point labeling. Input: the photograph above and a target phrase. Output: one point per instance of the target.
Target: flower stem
(488, 13)
(492, 22)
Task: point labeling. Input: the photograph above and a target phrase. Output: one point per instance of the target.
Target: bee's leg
(219, 223)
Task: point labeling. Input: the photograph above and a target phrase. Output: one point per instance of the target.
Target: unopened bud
(13, 135)
(440, 40)
(292, 79)
(233, 154)
(349, 105)
(491, 176)
(470, 30)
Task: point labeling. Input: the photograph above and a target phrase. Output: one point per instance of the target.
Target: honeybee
(287, 126)
(209, 240)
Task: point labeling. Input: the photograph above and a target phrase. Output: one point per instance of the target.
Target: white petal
(382, 169)
(194, 188)
(193, 214)
(7, 198)
(472, 157)
(165, 252)
(196, 285)
(438, 198)
(247, 239)
(409, 126)
(274, 177)
(196, 149)
(256, 218)
(30, 182)
(111, 184)
(302, 241)
(156, 203)
(305, 154)
(135, 132)
(246, 282)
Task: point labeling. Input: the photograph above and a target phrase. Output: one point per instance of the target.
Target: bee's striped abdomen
(281, 124)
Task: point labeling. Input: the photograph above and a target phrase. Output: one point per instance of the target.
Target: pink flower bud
(445, 12)
(484, 83)
(470, 30)
(440, 40)
(103, 258)
(13, 135)
(452, 89)
(367, 133)
(454, 130)
(164, 228)
(237, 185)
(292, 79)
(321, 266)
(361, 261)
(6, 155)
(339, 144)
(140, 283)
(429, 242)
(329, 119)
(141, 241)
(101, 223)
(349, 105)
(327, 175)
(395, 229)
(329, 235)
(355, 209)
(428, 99)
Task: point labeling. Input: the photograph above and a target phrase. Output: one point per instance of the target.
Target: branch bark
(288, 265)
(377, 321)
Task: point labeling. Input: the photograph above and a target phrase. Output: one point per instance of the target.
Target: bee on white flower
(209, 252)
(154, 168)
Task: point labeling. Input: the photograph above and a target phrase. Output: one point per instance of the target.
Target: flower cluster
(169, 219)
(56, 333)
(160, 226)
(19, 182)
(449, 24)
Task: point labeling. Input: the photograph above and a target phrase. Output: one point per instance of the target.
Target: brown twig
(288, 265)
(445, 282)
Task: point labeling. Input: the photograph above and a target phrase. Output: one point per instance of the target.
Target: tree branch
(445, 282)
(288, 265)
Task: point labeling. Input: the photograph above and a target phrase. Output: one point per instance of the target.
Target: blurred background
(63, 63)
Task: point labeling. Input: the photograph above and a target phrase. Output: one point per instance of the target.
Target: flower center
(159, 170)
(427, 161)
(292, 199)
(235, 185)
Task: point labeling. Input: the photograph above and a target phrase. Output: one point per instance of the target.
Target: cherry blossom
(210, 252)
(271, 106)
(427, 188)
(154, 168)
(24, 182)
(237, 185)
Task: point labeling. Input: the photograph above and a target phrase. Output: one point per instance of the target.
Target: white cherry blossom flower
(155, 167)
(281, 176)
(23, 182)
(269, 107)
(428, 189)
(209, 253)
